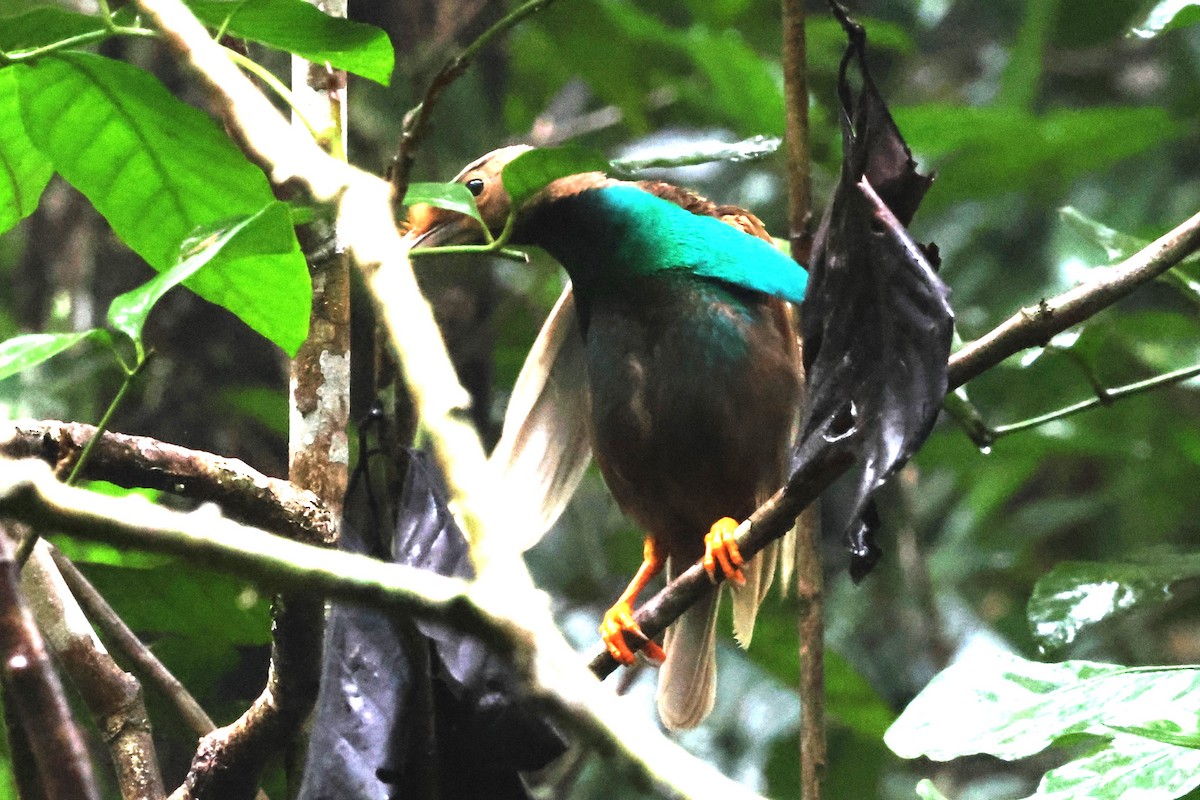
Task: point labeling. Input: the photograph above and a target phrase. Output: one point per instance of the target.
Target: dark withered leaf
(415, 708)
(877, 322)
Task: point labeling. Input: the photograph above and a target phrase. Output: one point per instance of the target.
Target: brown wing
(739, 218)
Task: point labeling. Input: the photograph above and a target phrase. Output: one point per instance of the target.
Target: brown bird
(686, 328)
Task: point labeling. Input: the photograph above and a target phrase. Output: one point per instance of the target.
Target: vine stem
(25, 548)
(1109, 396)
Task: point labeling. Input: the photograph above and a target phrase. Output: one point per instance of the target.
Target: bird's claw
(721, 550)
(619, 621)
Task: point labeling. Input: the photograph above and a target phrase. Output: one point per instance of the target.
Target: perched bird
(689, 339)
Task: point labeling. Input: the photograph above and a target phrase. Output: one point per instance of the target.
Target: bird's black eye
(475, 186)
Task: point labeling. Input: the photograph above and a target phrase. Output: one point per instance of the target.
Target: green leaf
(530, 172)
(1013, 708)
(127, 313)
(689, 153)
(450, 196)
(42, 26)
(1116, 244)
(158, 170)
(22, 352)
(24, 171)
(1130, 766)
(301, 28)
(1075, 595)
(1167, 731)
(176, 598)
(987, 152)
(739, 78)
(852, 701)
(1168, 15)
(1119, 246)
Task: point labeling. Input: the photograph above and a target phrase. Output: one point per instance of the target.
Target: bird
(687, 318)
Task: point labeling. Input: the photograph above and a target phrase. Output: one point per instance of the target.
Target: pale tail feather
(544, 448)
(687, 682)
(748, 597)
(785, 553)
(808, 522)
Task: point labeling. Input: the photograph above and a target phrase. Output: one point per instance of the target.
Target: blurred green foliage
(1022, 107)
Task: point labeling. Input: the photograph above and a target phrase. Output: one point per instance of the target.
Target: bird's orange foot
(721, 550)
(619, 621)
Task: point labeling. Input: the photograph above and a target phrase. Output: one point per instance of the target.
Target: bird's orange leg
(619, 620)
(721, 550)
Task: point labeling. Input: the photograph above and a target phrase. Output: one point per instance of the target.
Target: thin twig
(1107, 398)
(118, 634)
(416, 121)
(84, 455)
(1036, 326)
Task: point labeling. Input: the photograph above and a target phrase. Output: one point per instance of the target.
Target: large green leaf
(1076, 595)
(985, 152)
(176, 598)
(1118, 246)
(1129, 766)
(748, 86)
(1168, 15)
(299, 27)
(530, 172)
(24, 171)
(1143, 723)
(42, 26)
(158, 170)
(1008, 707)
(127, 313)
(22, 352)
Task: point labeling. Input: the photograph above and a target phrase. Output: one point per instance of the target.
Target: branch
(32, 692)
(366, 229)
(1104, 397)
(139, 461)
(810, 570)
(1036, 326)
(145, 664)
(416, 121)
(1028, 328)
(113, 696)
(490, 610)
(230, 760)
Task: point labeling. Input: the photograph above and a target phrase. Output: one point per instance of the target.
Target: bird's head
(430, 226)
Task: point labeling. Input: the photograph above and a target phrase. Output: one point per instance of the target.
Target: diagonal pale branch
(1027, 328)
(35, 695)
(367, 230)
(29, 492)
(113, 696)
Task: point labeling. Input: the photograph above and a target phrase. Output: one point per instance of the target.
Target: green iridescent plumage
(620, 230)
